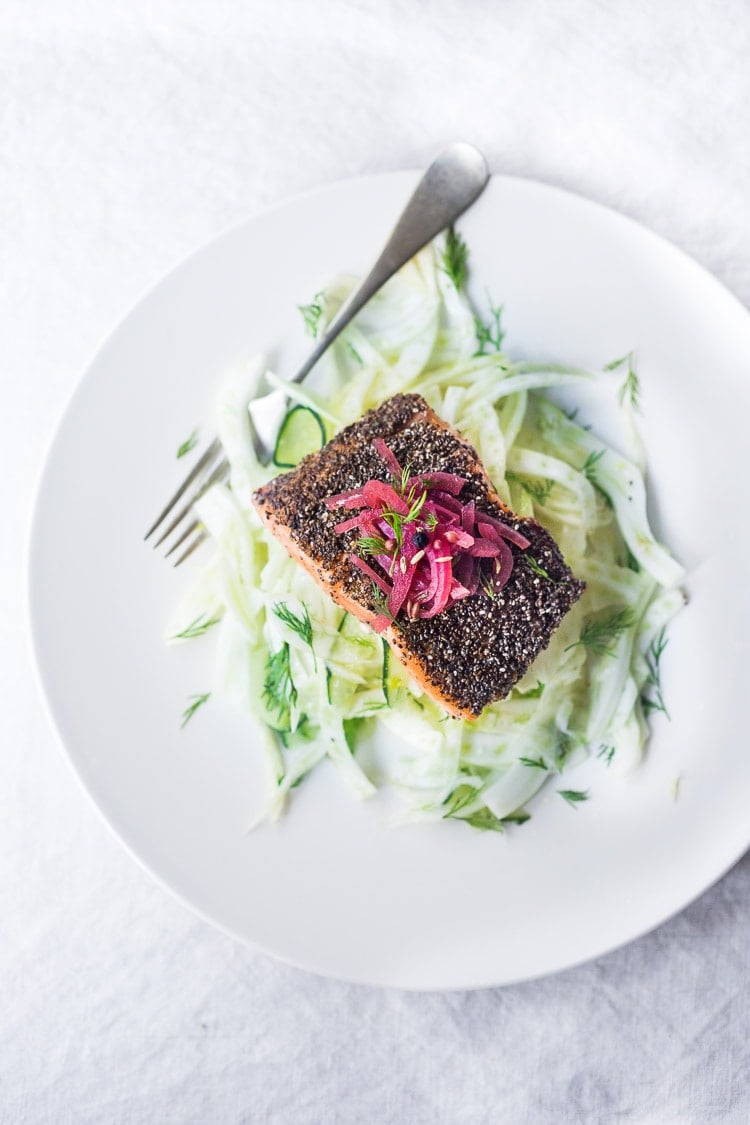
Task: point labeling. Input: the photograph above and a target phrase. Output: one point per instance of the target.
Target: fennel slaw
(315, 681)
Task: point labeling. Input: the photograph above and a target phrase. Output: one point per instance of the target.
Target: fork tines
(210, 468)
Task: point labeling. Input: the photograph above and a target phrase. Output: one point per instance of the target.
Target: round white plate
(332, 887)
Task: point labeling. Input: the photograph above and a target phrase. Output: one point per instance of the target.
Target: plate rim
(30, 552)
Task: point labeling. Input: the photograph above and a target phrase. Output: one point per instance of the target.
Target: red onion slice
(485, 549)
(505, 561)
(451, 483)
(442, 592)
(377, 492)
(402, 580)
(371, 574)
(504, 530)
(347, 525)
(389, 457)
(351, 499)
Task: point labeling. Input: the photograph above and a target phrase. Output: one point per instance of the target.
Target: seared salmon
(478, 647)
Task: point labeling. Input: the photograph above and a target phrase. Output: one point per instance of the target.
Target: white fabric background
(129, 133)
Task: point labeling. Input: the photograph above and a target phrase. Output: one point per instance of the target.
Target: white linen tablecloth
(129, 133)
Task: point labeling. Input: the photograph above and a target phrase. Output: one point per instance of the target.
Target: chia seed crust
(473, 652)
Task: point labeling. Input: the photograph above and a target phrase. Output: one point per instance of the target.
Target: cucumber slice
(302, 432)
(386, 662)
(394, 679)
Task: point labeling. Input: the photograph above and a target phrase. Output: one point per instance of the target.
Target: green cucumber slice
(302, 432)
(386, 670)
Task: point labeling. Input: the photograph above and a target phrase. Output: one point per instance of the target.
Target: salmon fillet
(473, 652)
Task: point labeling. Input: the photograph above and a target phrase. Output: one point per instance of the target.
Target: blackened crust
(473, 652)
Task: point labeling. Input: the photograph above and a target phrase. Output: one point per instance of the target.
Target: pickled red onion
(443, 552)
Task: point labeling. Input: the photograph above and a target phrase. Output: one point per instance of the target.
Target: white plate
(331, 888)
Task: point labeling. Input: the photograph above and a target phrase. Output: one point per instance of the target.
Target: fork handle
(456, 177)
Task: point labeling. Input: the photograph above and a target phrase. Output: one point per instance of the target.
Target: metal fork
(453, 181)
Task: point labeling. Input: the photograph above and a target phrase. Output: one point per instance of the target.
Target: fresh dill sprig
(279, 692)
(381, 602)
(487, 584)
(196, 701)
(200, 625)
(455, 258)
(353, 352)
(312, 313)
(489, 334)
(574, 796)
(599, 636)
(519, 817)
(396, 520)
(396, 523)
(572, 416)
(301, 625)
(537, 568)
(371, 545)
(484, 819)
(430, 521)
(416, 508)
(534, 763)
(607, 753)
(630, 389)
(652, 698)
(588, 468)
(405, 476)
(188, 445)
(538, 490)
(459, 799)
(563, 745)
(615, 363)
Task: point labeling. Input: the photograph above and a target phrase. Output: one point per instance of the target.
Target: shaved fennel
(315, 681)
